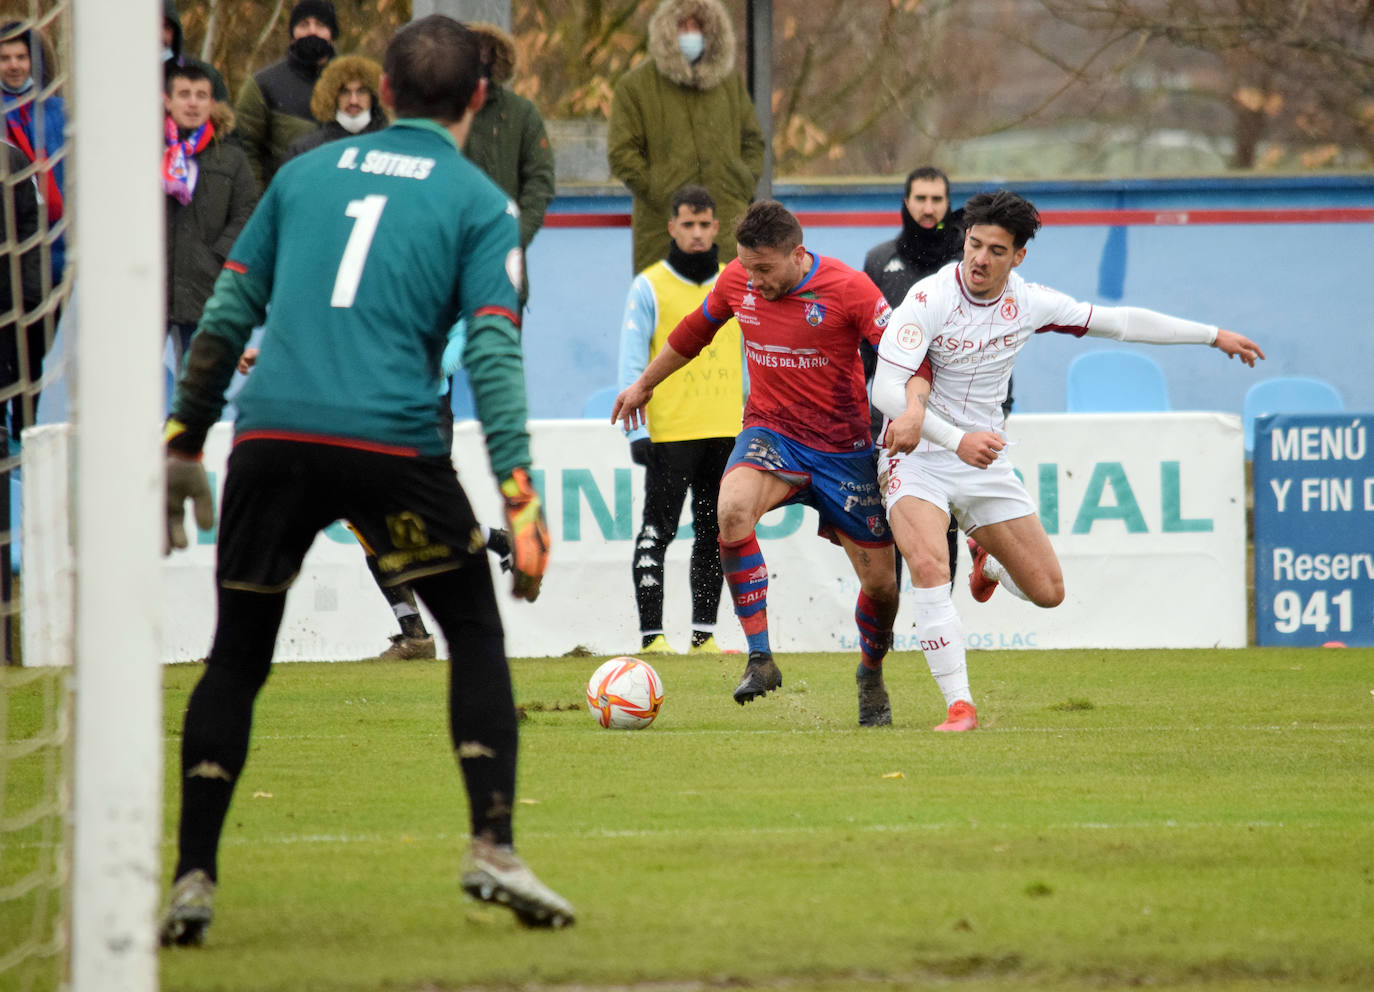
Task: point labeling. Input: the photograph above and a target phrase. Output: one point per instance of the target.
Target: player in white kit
(943, 367)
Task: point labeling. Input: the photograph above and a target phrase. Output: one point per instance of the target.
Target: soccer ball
(625, 694)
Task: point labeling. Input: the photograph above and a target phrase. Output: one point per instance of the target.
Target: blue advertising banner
(1314, 529)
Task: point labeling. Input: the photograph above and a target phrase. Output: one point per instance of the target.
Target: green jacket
(273, 110)
(508, 143)
(674, 123)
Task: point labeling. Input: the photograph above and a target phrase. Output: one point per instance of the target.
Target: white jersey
(971, 343)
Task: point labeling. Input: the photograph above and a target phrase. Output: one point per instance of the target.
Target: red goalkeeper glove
(529, 534)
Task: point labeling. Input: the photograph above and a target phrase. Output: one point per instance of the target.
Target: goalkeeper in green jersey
(358, 260)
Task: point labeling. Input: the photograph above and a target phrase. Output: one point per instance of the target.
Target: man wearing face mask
(273, 108)
(684, 116)
(346, 100)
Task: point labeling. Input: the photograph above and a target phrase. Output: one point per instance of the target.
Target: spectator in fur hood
(683, 116)
(346, 100)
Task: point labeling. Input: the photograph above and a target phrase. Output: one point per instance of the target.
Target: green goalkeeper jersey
(358, 261)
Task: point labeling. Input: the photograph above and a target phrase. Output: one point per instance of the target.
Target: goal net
(80, 721)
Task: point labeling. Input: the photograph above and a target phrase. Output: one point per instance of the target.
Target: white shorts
(975, 496)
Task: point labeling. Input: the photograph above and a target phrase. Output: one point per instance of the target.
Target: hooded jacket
(200, 233)
(173, 19)
(26, 206)
(41, 124)
(324, 102)
(508, 141)
(273, 110)
(674, 122)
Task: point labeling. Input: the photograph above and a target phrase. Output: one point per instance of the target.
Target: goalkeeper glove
(529, 534)
(186, 479)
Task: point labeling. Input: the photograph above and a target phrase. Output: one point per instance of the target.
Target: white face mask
(353, 123)
(691, 44)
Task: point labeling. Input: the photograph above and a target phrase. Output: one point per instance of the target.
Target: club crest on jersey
(876, 525)
(910, 336)
(881, 313)
(747, 300)
(1009, 310)
(815, 313)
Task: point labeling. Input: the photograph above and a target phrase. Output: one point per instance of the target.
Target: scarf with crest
(178, 161)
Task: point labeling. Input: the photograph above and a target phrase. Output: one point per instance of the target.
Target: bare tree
(1295, 77)
(873, 87)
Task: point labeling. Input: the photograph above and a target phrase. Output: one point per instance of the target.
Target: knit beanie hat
(321, 10)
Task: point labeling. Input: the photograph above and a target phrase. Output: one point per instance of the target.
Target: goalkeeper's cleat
(498, 543)
(761, 676)
(979, 584)
(875, 710)
(961, 716)
(190, 907)
(405, 648)
(494, 873)
(708, 646)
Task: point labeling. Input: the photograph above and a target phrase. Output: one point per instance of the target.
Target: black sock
(219, 720)
(413, 626)
(482, 721)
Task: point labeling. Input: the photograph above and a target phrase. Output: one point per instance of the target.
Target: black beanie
(321, 10)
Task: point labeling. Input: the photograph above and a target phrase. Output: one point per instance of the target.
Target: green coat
(509, 144)
(688, 124)
(272, 111)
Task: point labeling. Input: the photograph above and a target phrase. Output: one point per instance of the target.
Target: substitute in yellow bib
(693, 419)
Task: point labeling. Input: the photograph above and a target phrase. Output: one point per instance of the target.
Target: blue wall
(1296, 288)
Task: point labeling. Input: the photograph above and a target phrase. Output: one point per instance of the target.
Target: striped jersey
(806, 380)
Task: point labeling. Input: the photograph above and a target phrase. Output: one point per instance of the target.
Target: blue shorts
(841, 486)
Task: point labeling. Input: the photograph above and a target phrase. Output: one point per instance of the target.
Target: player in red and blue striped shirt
(806, 430)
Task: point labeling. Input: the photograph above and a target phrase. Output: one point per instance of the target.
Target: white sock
(942, 640)
(994, 569)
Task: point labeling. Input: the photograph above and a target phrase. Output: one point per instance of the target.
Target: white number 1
(366, 212)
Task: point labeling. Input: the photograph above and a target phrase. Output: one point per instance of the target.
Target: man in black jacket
(19, 364)
(932, 234)
(273, 107)
(210, 195)
(346, 101)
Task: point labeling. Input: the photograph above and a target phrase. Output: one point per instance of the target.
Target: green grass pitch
(1157, 819)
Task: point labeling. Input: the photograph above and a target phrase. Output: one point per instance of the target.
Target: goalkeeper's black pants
(278, 495)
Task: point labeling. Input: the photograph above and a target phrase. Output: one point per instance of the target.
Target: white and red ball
(625, 694)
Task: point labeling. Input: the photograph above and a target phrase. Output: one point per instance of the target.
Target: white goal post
(117, 220)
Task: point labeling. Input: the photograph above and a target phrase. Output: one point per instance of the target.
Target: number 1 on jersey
(365, 213)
